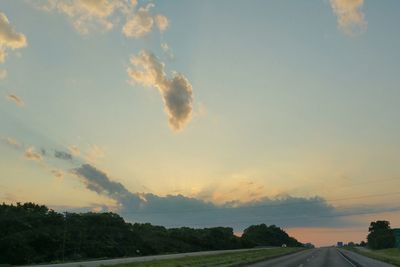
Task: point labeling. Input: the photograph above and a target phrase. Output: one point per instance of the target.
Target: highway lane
(96, 263)
(321, 257)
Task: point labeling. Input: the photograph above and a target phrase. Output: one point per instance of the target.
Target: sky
(205, 113)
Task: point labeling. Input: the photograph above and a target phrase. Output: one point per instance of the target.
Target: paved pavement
(96, 263)
(319, 257)
(322, 257)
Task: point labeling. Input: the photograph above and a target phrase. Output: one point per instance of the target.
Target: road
(96, 263)
(322, 257)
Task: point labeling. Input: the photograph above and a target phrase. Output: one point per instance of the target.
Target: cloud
(95, 152)
(16, 99)
(74, 150)
(142, 22)
(167, 50)
(99, 182)
(89, 15)
(3, 73)
(179, 210)
(58, 174)
(177, 92)
(201, 110)
(43, 151)
(9, 37)
(11, 142)
(161, 22)
(31, 154)
(350, 18)
(62, 155)
(3, 55)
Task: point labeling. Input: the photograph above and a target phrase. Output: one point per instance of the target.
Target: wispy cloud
(88, 15)
(94, 153)
(16, 99)
(142, 22)
(62, 155)
(3, 74)
(11, 142)
(31, 154)
(59, 174)
(9, 37)
(177, 92)
(167, 50)
(350, 17)
(74, 150)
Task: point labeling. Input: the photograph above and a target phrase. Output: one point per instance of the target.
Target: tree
(263, 235)
(31, 233)
(380, 235)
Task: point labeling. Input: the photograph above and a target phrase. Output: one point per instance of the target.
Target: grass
(220, 260)
(390, 255)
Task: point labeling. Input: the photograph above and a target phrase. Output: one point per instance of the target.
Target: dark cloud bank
(178, 210)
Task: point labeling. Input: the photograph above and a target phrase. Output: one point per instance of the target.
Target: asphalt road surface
(322, 257)
(96, 263)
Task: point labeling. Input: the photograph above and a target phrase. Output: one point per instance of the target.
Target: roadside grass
(390, 255)
(221, 260)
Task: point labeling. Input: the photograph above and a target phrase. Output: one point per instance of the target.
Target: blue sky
(271, 98)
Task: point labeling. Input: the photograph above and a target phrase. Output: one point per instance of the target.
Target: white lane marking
(301, 265)
(352, 264)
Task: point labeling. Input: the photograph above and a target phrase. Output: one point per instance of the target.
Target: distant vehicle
(284, 245)
(339, 244)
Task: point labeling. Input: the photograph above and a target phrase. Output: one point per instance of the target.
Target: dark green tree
(380, 235)
(31, 233)
(263, 235)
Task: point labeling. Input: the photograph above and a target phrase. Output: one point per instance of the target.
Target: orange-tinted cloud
(350, 18)
(89, 15)
(9, 37)
(31, 154)
(16, 99)
(3, 74)
(142, 22)
(12, 142)
(74, 150)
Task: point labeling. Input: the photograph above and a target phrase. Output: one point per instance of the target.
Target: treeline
(380, 236)
(31, 233)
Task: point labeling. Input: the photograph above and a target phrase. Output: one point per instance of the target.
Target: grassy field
(221, 260)
(391, 255)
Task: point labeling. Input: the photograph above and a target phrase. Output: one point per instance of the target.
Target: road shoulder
(361, 260)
